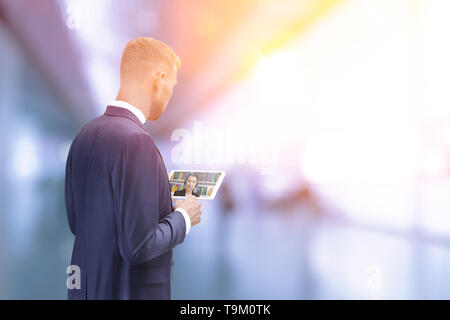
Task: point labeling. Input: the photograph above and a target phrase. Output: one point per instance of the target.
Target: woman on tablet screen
(189, 185)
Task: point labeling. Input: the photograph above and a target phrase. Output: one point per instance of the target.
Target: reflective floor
(272, 256)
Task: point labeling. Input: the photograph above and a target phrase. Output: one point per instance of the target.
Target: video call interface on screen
(202, 184)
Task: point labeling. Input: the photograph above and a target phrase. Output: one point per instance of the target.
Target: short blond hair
(145, 54)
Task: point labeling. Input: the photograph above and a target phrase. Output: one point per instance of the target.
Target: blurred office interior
(330, 117)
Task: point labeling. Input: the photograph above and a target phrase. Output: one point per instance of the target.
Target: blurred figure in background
(223, 263)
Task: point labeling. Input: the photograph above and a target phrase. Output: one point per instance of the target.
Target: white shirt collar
(123, 104)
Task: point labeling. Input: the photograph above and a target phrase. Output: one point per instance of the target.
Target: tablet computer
(202, 184)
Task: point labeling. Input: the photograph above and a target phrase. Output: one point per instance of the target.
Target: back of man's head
(145, 56)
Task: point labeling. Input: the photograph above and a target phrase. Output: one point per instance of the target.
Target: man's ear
(159, 79)
(162, 78)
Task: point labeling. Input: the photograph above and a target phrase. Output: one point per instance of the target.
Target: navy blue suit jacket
(120, 210)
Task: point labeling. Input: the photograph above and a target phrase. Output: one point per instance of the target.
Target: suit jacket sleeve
(70, 206)
(136, 180)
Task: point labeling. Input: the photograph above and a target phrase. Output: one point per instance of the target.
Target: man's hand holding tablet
(191, 186)
(192, 207)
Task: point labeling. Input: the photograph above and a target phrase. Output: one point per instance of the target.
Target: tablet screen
(202, 184)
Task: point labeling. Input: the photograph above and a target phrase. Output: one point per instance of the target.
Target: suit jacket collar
(122, 112)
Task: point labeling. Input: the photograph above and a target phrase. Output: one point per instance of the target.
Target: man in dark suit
(117, 191)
